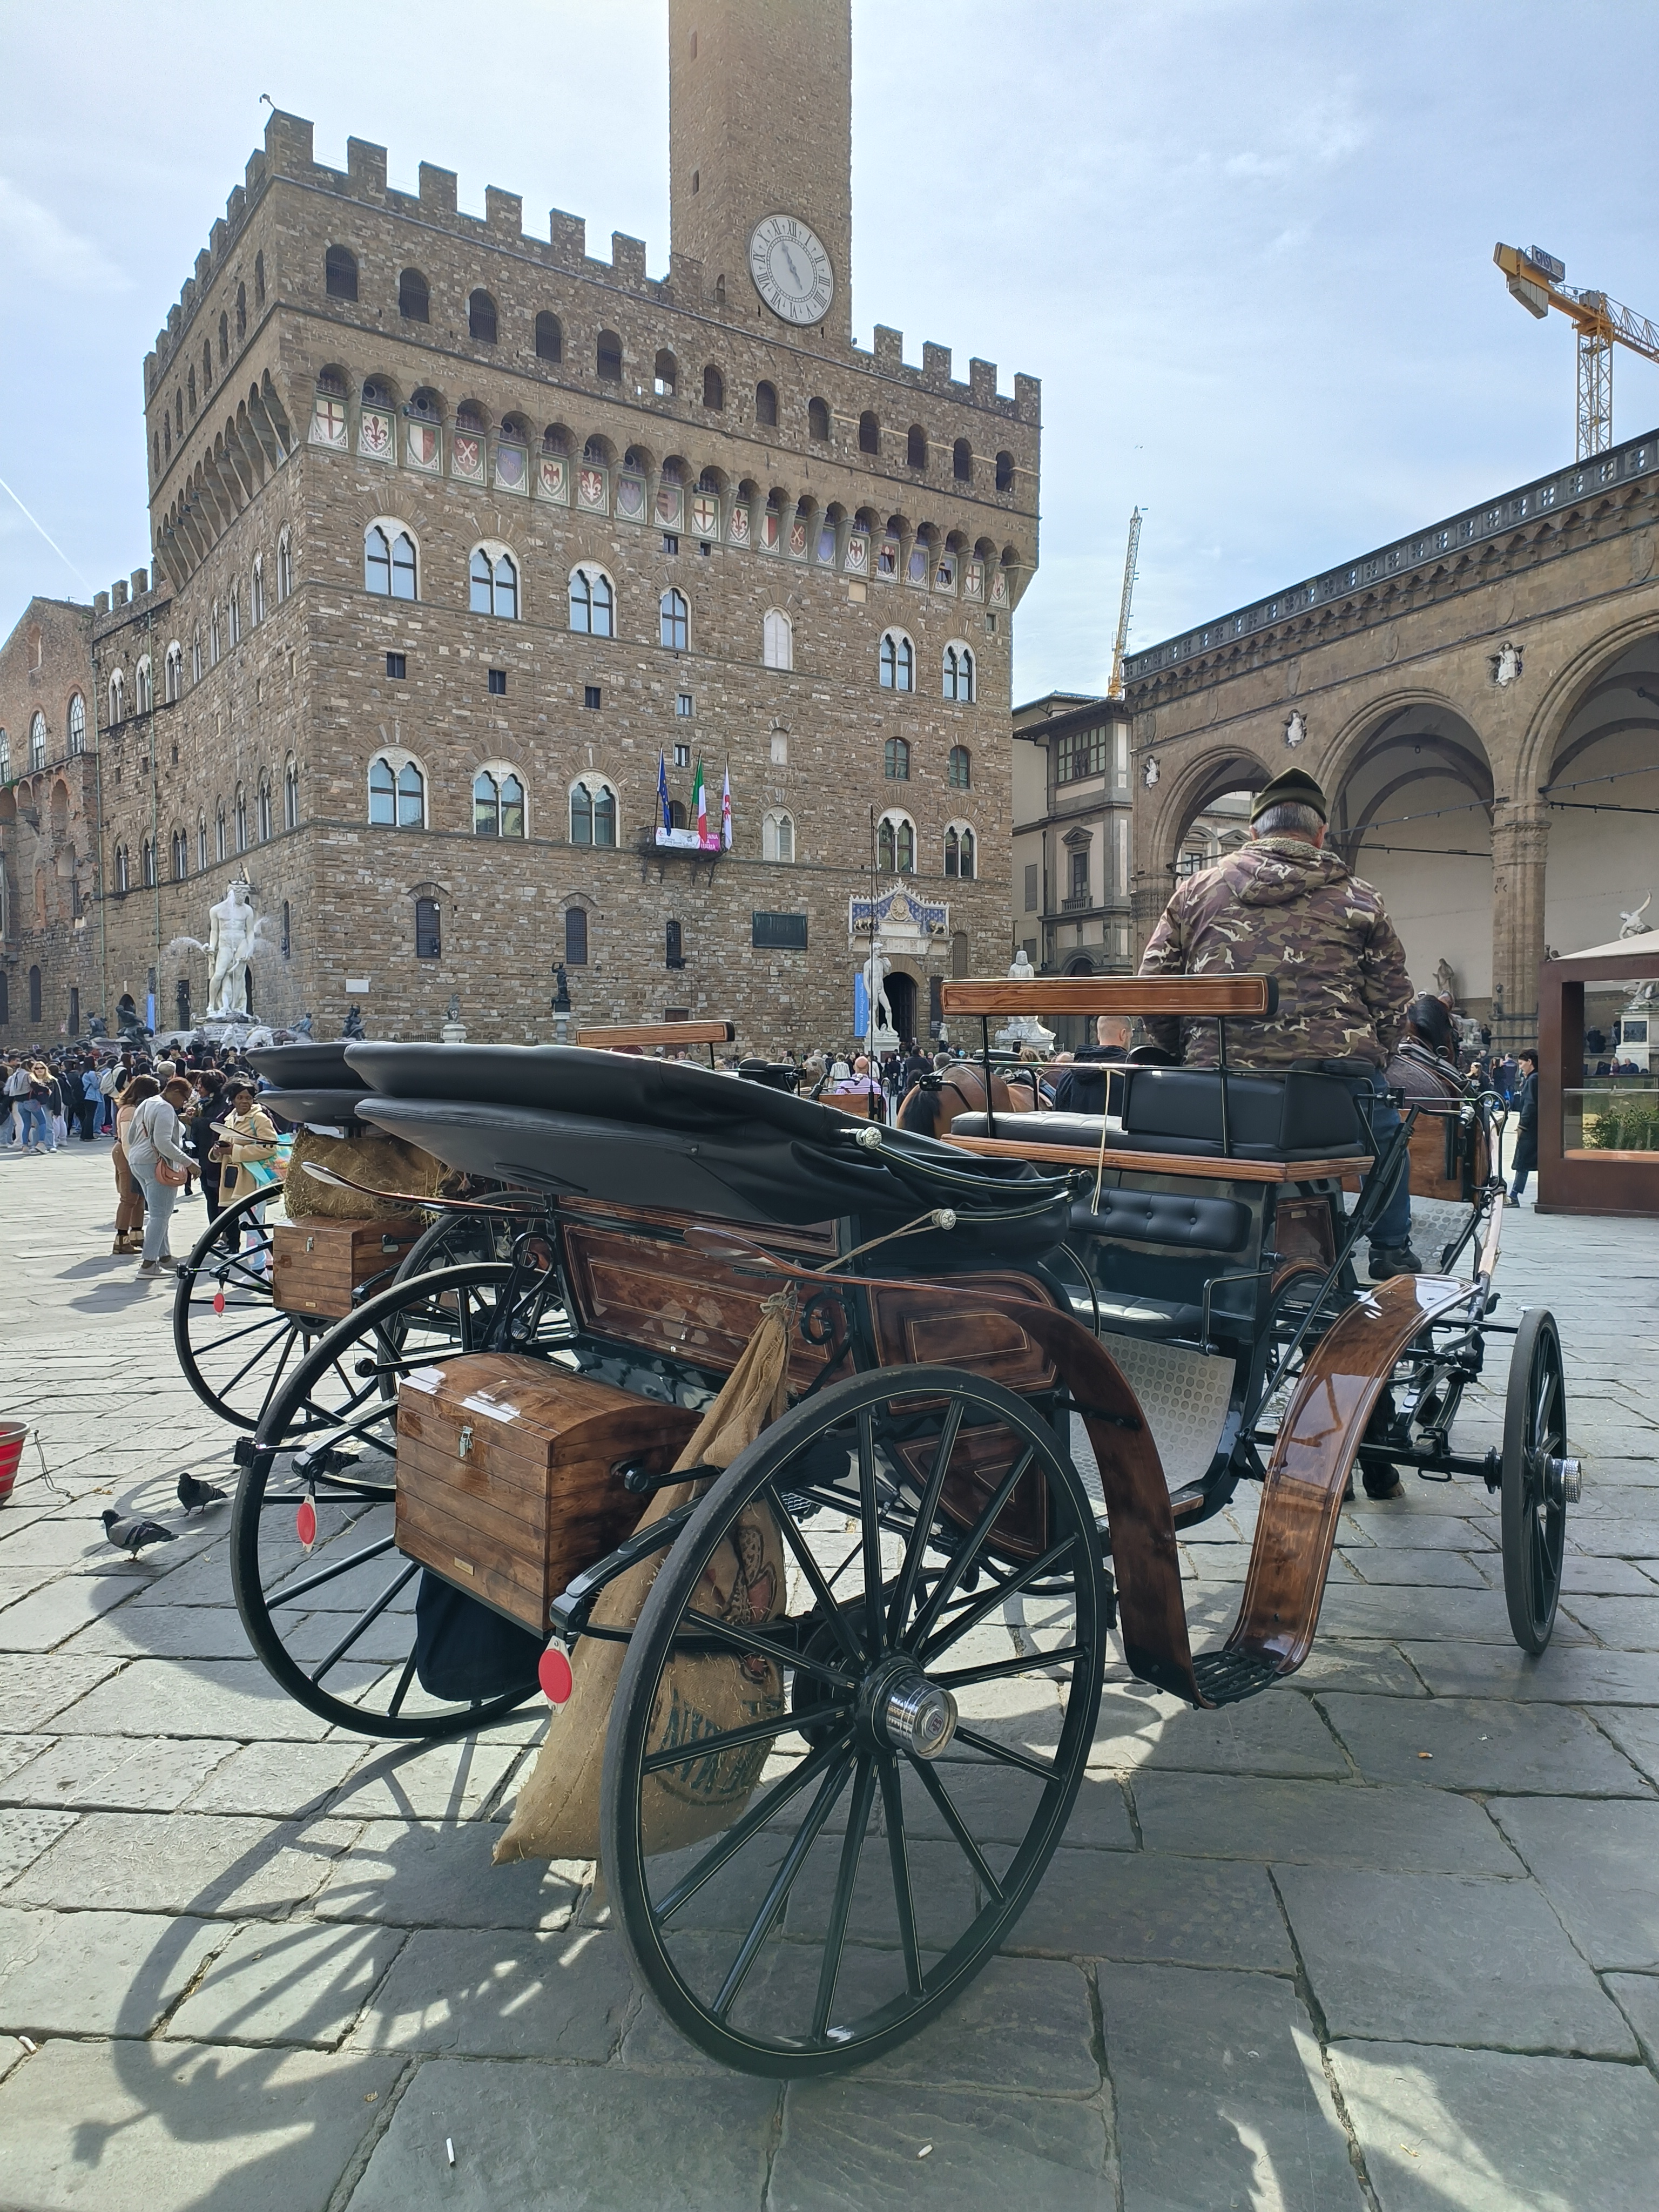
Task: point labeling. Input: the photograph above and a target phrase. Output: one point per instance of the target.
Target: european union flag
(662, 791)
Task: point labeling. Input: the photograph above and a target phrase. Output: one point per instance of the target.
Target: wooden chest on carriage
(509, 1474)
(318, 1264)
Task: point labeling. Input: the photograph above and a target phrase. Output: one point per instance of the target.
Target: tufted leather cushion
(1162, 1217)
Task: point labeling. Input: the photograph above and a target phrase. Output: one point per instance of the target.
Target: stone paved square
(266, 1962)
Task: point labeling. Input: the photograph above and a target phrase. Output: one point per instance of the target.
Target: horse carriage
(820, 1459)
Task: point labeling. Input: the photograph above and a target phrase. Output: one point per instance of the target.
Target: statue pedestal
(453, 1033)
(1024, 1029)
(881, 1041)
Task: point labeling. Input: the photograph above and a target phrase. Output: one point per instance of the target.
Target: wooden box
(509, 1474)
(320, 1263)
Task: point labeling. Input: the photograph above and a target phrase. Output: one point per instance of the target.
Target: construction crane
(1537, 280)
(1115, 688)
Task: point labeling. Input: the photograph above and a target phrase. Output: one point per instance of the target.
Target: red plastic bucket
(12, 1435)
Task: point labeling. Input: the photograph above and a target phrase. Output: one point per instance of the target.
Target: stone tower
(760, 124)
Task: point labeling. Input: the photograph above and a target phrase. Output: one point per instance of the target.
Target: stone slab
(1382, 1530)
(32, 1690)
(1617, 1536)
(1276, 1733)
(1153, 1907)
(1623, 1623)
(114, 1774)
(97, 1973)
(413, 1876)
(1332, 1823)
(1369, 1670)
(1596, 1863)
(1218, 2094)
(1482, 1743)
(282, 1780)
(43, 1619)
(1564, 1676)
(856, 2146)
(234, 1698)
(504, 1993)
(1440, 1957)
(1484, 2131)
(1637, 1996)
(437, 1781)
(183, 1862)
(147, 2127)
(25, 1835)
(157, 1631)
(570, 2139)
(1410, 1615)
(295, 1981)
(1395, 1566)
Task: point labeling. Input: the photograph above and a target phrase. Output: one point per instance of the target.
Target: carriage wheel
(1538, 1482)
(829, 1788)
(234, 1344)
(327, 1600)
(455, 1238)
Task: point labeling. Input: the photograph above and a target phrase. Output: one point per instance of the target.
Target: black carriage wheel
(335, 1624)
(453, 1238)
(234, 1344)
(1535, 1485)
(820, 1825)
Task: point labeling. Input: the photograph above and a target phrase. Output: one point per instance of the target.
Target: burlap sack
(381, 1163)
(557, 1812)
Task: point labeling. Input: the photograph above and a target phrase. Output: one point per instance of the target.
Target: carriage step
(1226, 1678)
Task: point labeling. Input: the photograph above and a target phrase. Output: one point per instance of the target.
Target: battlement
(288, 155)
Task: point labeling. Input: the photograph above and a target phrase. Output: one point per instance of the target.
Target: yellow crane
(1115, 688)
(1539, 282)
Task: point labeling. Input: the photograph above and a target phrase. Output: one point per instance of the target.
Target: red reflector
(218, 1302)
(305, 1522)
(554, 1676)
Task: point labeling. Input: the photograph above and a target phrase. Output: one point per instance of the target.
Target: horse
(936, 1100)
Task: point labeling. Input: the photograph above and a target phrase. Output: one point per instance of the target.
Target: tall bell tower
(760, 107)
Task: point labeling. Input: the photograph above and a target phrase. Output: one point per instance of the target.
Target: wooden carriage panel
(1448, 1160)
(1303, 1230)
(509, 1473)
(319, 1262)
(927, 1325)
(680, 1302)
(981, 1459)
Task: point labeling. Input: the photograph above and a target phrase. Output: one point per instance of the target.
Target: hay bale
(382, 1162)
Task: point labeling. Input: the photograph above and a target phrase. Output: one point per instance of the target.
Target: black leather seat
(1283, 1116)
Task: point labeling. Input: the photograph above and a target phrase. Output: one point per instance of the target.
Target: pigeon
(133, 1535)
(193, 1495)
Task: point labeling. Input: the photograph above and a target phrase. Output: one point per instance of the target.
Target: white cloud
(37, 244)
(1316, 136)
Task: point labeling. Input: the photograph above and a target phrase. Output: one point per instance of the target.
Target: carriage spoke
(269, 1319)
(969, 1550)
(364, 1619)
(870, 1516)
(263, 1352)
(1005, 1753)
(814, 1574)
(744, 1639)
(971, 1615)
(935, 1785)
(782, 1882)
(759, 1813)
(997, 1669)
(858, 1822)
(709, 1747)
(922, 1529)
(892, 1799)
(402, 1690)
(287, 1594)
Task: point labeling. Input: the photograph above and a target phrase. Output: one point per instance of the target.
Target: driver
(1283, 906)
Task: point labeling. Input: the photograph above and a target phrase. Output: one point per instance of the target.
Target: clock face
(790, 269)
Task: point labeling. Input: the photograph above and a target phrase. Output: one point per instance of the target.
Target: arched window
(665, 373)
(221, 842)
(1004, 471)
(959, 851)
(263, 817)
(428, 930)
(34, 994)
(291, 794)
(777, 640)
(284, 568)
(766, 405)
(195, 655)
(915, 451)
(481, 318)
(190, 386)
(259, 278)
(242, 312)
(494, 580)
(575, 936)
(224, 339)
(675, 620)
(550, 338)
(896, 845)
(714, 387)
(143, 697)
(256, 591)
(340, 267)
(389, 562)
(213, 634)
(180, 856)
(592, 602)
(896, 662)
(122, 870)
(818, 419)
(396, 792)
(173, 670)
(234, 604)
(497, 804)
(607, 357)
(148, 853)
(201, 839)
(241, 819)
(869, 434)
(592, 811)
(962, 461)
(959, 769)
(959, 674)
(207, 367)
(38, 739)
(778, 836)
(414, 299)
(896, 759)
(78, 717)
(118, 692)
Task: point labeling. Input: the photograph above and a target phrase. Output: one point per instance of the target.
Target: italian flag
(700, 804)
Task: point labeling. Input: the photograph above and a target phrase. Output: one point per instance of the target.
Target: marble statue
(1022, 1030)
(877, 969)
(1632, 924)
(232, 929)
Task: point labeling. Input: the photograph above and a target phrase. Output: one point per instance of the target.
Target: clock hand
(794, 270)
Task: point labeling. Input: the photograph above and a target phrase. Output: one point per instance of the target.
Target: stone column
(1520, 846)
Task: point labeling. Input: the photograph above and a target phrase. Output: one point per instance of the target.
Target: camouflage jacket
(1279, 908)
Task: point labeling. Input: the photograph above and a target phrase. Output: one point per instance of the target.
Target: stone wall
(48, 827)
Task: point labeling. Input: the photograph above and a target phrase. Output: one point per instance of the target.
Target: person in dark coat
(1081, 1085)
(1526, 1143)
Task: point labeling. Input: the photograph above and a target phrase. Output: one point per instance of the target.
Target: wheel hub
(904, 1711)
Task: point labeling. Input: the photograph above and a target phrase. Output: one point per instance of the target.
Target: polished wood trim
(1214, 1168)
(1194, 996)
(653, 1033)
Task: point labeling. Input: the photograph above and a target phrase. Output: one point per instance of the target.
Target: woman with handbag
(129, 1199)
(160, 1165)
(248, 1159)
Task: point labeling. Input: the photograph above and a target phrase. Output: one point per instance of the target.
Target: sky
(1245, 244)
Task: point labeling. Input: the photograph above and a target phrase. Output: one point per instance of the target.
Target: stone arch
(1593, 776)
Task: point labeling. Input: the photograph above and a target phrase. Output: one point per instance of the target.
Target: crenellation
(889, 347)
(504, 216)
(935, 364)
(289, 145)
(568, 235)
(1028, 398)
(215, 245)
(439, 197)
(627, 257)
(366, 167)
(203, 269)
(235, 208)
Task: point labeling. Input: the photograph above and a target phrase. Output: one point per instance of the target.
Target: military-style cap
(1294, 788)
